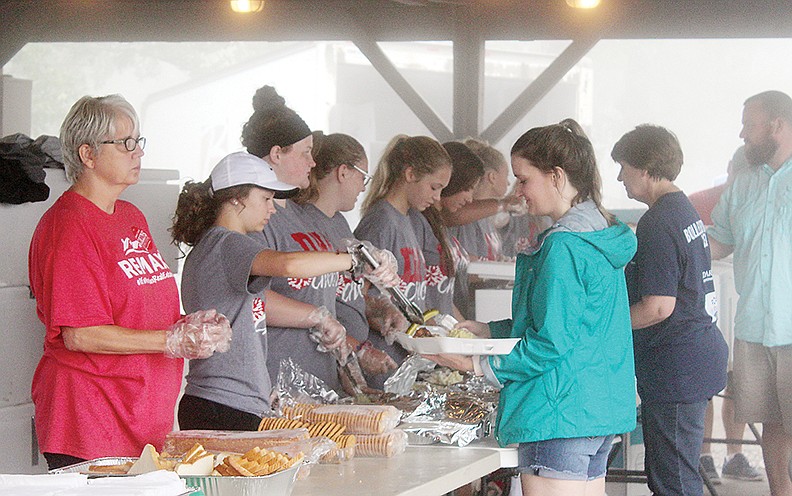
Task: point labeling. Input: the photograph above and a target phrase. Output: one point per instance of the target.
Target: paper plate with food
(432, 340)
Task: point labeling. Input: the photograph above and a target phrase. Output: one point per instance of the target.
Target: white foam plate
(456, 346)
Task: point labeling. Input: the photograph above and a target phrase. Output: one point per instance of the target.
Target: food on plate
(199, 462)
(461, 333)
(423, 332)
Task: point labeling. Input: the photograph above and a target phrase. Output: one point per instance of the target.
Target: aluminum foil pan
(279, 484)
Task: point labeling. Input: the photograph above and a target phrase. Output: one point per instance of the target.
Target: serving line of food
(426, 436)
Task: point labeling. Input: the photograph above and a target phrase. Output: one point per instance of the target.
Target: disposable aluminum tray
(279, 484)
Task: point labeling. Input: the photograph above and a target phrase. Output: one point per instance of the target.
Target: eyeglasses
(129, 143)
(366, 176)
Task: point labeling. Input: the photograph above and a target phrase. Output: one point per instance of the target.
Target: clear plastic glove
(374, 361)
(385, 275)
(198, 335)
(327, 331)
(480, 329)
(384, 317)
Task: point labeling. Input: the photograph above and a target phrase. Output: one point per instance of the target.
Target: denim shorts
(580, 458)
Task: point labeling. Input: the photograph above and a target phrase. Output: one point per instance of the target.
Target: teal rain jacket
(572, 372)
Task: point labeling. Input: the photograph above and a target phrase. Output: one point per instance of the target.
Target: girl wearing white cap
(229, 270)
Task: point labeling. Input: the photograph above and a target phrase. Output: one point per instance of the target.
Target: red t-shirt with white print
(90, 268)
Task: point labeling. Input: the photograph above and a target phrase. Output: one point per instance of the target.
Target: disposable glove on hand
(385, 275)
(198, 335)
(374, 361)
(326, 330)
(384, 317)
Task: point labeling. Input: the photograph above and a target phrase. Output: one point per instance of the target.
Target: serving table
(419, 471)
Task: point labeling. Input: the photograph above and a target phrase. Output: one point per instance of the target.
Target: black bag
(22, 163)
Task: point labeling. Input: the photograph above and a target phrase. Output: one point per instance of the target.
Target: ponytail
(565, 145)
(438, 228)
(423, 154)
(198, 207)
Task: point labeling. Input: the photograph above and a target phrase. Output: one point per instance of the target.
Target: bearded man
(753, 219)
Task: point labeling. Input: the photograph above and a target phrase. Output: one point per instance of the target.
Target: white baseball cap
(243, 168)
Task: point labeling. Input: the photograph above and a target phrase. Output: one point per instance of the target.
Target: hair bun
(267, 99)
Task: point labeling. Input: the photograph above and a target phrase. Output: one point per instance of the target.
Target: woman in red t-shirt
(111, 371)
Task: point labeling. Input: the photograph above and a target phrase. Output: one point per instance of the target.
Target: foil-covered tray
(278, 484)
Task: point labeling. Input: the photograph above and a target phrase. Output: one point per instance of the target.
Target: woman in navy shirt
(680, 355)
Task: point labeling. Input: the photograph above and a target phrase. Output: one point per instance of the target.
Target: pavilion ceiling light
(246, 6)
(583, 4)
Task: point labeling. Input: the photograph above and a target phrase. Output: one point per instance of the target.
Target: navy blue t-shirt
(683, 358)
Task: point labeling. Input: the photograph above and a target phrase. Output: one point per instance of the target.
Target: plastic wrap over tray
(179, 442)
(387, 444)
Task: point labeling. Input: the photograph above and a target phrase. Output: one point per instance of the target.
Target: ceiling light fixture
(247, 6)
(583, 4)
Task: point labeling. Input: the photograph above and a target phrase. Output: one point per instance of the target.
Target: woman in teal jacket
(568, 384)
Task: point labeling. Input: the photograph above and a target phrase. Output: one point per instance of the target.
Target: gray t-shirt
(350, 304)
(385, 227)
(520, 233)
(439, 287)
(480, 239)
(217, 275)
(289, 231)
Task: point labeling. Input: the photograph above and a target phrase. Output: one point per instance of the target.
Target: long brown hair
(329, 152)
(566, 146)
(425, 155)
(198, 207)
(466, 170)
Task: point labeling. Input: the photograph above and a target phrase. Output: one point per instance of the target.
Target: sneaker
(708, 465)
(740, 468)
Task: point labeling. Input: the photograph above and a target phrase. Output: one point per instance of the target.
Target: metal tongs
(409, 309)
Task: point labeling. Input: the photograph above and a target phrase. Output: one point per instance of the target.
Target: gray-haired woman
(112, 366)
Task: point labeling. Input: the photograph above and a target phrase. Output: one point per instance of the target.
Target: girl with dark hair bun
(284, 141)
(278, 135)
(568, 386)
